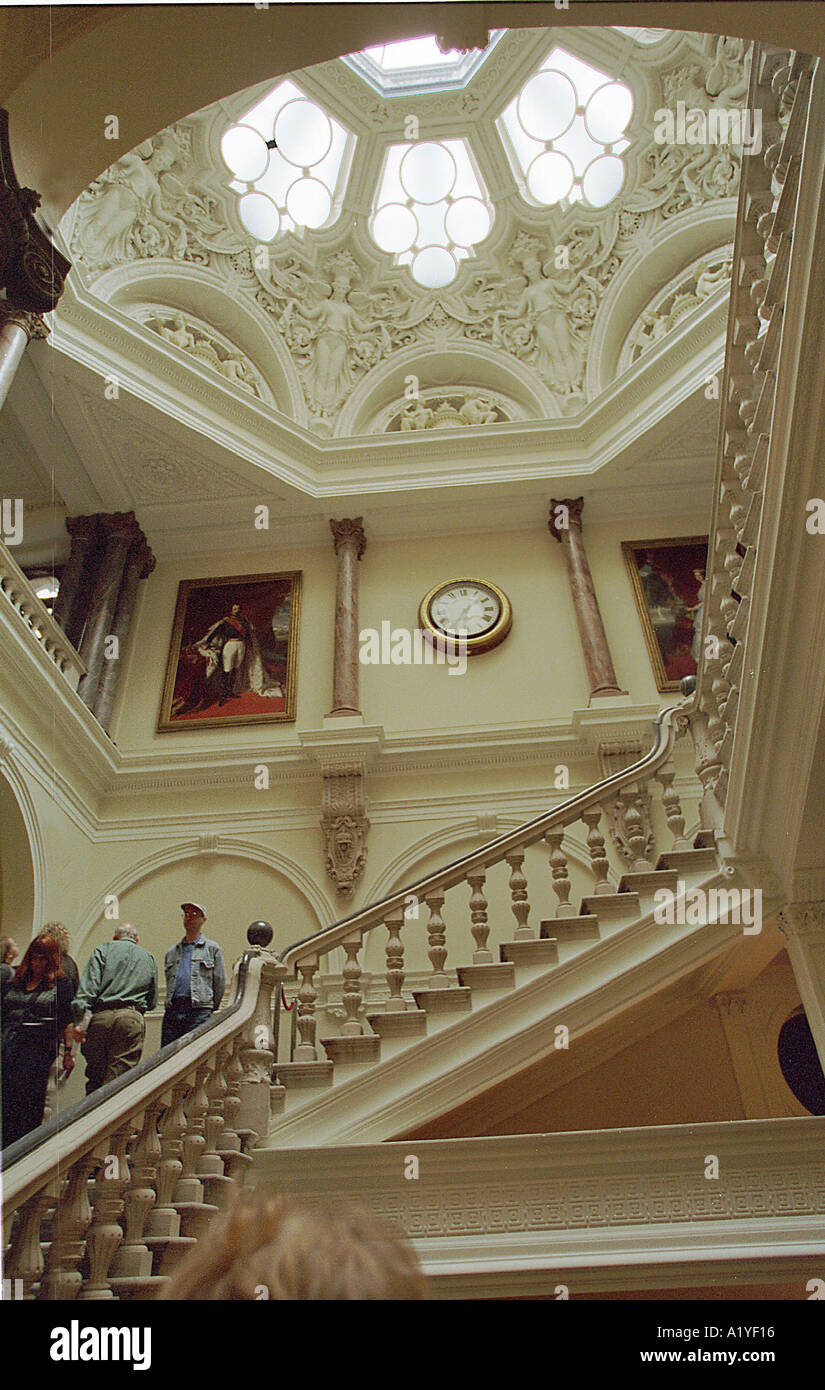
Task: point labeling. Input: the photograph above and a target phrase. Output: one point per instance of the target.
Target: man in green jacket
(119, 984)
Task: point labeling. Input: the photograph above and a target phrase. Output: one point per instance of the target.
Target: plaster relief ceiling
(527, 226)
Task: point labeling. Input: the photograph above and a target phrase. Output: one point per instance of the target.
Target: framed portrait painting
(234, 652)
(668, 579)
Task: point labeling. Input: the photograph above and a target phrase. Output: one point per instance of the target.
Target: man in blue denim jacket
(195, 977)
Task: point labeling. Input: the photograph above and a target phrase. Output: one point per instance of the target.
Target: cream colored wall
(537, 673)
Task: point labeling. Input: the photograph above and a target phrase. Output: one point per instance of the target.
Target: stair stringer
(501, 1037)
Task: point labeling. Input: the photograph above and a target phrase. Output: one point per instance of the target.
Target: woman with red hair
(36, 1015)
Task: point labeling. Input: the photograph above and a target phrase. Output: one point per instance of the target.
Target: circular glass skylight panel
(260, 216)
(608, 112)
(547, 105)
(308, 203)
(303, 133)
(602, 180)
(550, 177)
(394, 228)
(434, 267)
(467, 221)
(428, 173)
(244, 152)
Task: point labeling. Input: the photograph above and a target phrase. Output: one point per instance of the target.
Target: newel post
(258, 1052)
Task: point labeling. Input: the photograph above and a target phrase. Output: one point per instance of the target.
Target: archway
(19, 905)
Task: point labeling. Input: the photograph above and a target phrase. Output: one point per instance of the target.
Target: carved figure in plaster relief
(346, 850)
(342, 334)
(478, 410)
(549, 343)
(177, 333)
(126, 199)
(416, 416)
(240, 374)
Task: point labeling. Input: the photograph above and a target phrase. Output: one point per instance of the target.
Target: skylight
(415, 66)
(430, 209)
(299, 183)
(564, 133)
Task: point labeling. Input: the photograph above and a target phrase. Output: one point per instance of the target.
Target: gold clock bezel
(485, 641)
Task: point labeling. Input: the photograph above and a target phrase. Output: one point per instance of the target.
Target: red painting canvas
(233, 653)
(668, 580)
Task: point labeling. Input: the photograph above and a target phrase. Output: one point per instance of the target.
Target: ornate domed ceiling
(430, 241)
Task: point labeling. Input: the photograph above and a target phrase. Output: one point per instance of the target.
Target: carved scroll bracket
(344, 824)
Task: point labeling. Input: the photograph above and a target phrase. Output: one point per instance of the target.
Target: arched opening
(800, 1064)
(17, 878)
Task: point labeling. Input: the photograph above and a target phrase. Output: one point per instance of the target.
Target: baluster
(595, 843)
(351, 1027)
(480, 927)
(436, 935)
(105, 1233)
(210, 1163)
(232, 1104)
(25, 1257)
(307, 994)
(62, 1278)
(635, 830)
(189, 1188)
(133, 1260)
(164, 1219)
(396, 1004)
(561, 880)
(518, 893)
(673, 807)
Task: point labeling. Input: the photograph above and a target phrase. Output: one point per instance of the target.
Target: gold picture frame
(669, 597)
(233, 655)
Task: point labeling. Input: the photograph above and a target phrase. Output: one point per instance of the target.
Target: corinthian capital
(349, 531)
(31, 323)
(565, 512)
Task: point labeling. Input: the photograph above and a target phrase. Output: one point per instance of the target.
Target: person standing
(37, 1017)
(119, 984)
(60, 933)
(195, 977)
(9, 951)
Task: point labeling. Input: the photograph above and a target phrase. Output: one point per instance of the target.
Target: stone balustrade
(35, 618)
(780, 89)
(616, 810)
(104, 1200)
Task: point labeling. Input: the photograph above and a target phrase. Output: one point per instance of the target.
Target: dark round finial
(259, 934)
(687, 685)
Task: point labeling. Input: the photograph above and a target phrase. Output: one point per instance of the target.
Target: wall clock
(472, 607)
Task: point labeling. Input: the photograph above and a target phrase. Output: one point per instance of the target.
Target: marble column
(597, 659)
(803, 925)
(17, 328)
(120, 531)
(69, 604)
(350, 544)
(139, 563)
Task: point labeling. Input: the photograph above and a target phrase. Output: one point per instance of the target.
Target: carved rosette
(345, 826)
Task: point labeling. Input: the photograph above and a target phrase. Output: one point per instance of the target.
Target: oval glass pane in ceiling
(308, 203)
(608, 112)
(244, 152)
(428, 173)
(602, 180)
(467, 221)
(394, 228)
(303, 133)
(547, 105)
(434, 267)
(260, 216)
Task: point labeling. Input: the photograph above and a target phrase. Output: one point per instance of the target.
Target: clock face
(471, 609)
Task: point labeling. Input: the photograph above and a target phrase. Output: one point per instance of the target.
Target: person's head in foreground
(272, 1247)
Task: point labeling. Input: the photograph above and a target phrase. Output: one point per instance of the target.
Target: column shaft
(103, 604)
(350, 544)
(68, 608)
(597, 658)
(139, 563)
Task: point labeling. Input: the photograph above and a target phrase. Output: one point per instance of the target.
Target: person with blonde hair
(59, 932)
(272, 1247)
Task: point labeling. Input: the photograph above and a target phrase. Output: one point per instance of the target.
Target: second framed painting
(668, 579)
(234, 652)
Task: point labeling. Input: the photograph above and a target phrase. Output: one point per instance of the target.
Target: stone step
(648, 881)
(688, 859)
(491, 976)
(342, 1050)
(216, 1188)
(304, 1076)
(564, 929)
(706, 839)
(167, 1251)
(611, 905)
(195, 1217)
(138, 1290)
(235, 1163)
(411, 1023)
(277, 1098)
(451, 999)
(249, 1139)
(544, 952)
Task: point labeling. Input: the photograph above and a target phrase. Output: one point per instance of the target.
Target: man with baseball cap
(195, 977)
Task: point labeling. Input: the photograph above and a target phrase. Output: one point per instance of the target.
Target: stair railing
(104, 1198)
(621, 794)
(779, 90)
